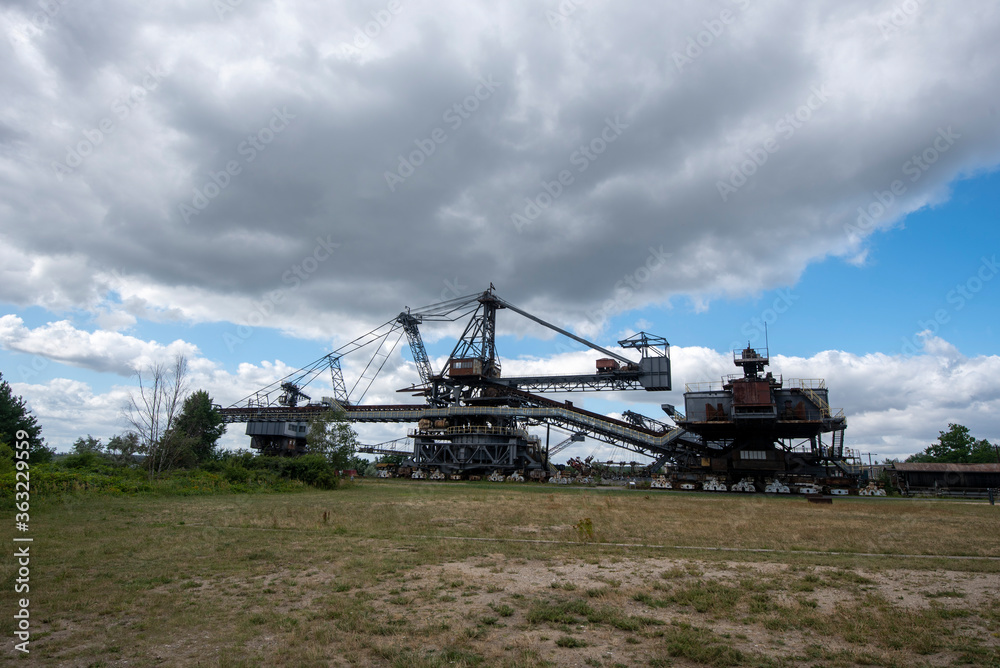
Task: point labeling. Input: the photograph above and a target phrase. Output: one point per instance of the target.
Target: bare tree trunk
(151, 412)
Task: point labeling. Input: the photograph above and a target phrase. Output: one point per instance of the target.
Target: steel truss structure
(474, 420)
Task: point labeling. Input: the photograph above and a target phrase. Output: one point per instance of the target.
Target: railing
(824, 407)
(756, 354)
(708, 386)
(474, 429)
(807, 383)
(718, 386)
(375, 450)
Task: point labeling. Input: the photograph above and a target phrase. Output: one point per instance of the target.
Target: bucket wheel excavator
(474, 421)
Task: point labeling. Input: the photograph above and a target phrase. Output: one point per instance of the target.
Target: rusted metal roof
(946, 468)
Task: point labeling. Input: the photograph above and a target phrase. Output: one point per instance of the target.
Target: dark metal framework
(602, 382)
(474, 419)
(757, 423)
(420, 359)
(478, 341)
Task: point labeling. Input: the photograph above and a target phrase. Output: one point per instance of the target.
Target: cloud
(273, 147)
(102, 351)
(68, 409)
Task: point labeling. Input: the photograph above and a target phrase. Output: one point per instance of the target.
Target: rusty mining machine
(751, 433)
(759, 430)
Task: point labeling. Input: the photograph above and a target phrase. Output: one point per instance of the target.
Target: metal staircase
(819, 401)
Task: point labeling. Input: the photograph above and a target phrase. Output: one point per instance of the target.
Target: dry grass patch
(365, 576)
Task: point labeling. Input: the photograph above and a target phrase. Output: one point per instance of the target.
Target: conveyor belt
(539, 408)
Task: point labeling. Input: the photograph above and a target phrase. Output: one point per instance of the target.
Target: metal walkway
(595, 426)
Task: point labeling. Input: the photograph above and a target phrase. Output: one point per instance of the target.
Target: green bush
(6, 458)
(85, 460)
(239, 472)
(311, 469)
(244, 467)
(236, 473)
(50, 479)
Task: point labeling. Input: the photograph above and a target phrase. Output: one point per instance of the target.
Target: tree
(88, 444)
(17, 424)
(984, 452)
(6, 458)
(956, 446)
(88, 453)
(333, 437)
(201, 425)
(123, 448)
(357, 462)
(152, 410)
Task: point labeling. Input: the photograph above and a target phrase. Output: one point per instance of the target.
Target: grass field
(419, 574)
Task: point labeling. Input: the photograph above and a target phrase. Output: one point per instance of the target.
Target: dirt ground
(491, 582)
(485, 611)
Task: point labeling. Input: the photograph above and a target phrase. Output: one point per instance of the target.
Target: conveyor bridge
(564, 415)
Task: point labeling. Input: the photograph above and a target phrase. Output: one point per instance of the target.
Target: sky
(253, 183)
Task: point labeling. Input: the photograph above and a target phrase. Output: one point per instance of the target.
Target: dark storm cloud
(224, 148)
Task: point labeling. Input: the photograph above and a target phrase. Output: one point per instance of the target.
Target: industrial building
(945, 479)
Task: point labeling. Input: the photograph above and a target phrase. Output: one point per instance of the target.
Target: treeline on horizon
(171, 448)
